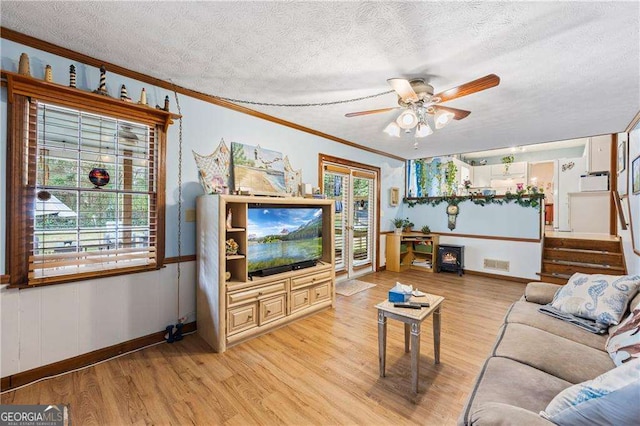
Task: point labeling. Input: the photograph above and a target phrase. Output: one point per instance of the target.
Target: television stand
(231, 311)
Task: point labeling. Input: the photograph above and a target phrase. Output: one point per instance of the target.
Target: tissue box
(398, 297)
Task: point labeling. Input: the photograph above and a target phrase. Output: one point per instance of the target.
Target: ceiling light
(392, 129)
(442, 118)
(423, 130)
(407, 120)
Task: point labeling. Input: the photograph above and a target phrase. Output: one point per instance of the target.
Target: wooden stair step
(584, 256)
(584, 244)
(554, 278)
(571, 268)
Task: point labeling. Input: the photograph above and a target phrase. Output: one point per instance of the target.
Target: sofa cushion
(495, 413)
(509, 382)
(624, 343)
(527, 313)
(601, 298)
(611, 398)
(552, 354)
(540, 293)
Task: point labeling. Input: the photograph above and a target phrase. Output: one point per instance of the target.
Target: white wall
(47, 324)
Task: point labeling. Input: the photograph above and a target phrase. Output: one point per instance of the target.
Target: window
(81, 223)
(85, 191)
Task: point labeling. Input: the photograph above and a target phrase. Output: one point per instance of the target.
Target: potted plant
(398, 223)
(507, 160)
(407, 225)
(426, 230)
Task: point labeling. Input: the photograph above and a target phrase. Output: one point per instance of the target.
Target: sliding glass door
(354, 191)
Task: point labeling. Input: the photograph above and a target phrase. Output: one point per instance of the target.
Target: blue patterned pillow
(609, 399)
(601, 298)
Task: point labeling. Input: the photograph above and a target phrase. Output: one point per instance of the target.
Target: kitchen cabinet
(481, 177)
(598, 151)
(500, 171)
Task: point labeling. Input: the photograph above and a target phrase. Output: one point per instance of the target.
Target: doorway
(355, 189)
(542, 175)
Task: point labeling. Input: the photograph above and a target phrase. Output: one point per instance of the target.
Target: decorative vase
(398, 231)
(99, 177)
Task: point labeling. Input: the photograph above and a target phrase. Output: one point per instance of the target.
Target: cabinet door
(300, 299)
(242, 318)
(320, 293)
(481, 176)
(272, 309)
(600, 154)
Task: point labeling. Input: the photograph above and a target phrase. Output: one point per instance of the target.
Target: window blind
(84, 226)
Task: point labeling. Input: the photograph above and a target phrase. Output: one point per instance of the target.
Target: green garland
(521, 198)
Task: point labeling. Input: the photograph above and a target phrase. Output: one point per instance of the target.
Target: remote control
(422, 304)
(407, 305)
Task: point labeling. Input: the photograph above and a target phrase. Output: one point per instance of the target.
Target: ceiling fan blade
(371, 111)
(474, 86)
(458, 114)
(403, 89)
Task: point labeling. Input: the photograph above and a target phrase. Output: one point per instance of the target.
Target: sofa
(535, 357)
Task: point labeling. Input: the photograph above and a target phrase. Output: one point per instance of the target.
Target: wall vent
(499, 265)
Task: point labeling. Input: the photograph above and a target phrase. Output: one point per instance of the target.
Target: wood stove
(451, 258)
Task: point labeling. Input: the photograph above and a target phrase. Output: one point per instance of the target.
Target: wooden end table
(412, 319)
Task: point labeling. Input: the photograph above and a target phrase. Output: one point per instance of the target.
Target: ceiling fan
(417, 99)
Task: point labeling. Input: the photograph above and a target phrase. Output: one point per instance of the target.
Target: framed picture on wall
(622, 155)
(394, 196)
(635, 175)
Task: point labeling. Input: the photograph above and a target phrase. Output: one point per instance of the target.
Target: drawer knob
(259, 293)
(268, 311)
(250, 317)
(305, 299)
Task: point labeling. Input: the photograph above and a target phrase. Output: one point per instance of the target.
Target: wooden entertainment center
(234, 310)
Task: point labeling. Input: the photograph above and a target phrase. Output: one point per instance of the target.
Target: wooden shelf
(235, 229)
(400, 259)
(234, 256)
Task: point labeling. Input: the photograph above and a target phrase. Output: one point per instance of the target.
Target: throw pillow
(623, 344)
(609, 399)
(601, 298)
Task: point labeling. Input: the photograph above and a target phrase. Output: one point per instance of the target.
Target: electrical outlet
(190, 215)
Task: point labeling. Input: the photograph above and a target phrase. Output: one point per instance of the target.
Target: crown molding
(45, 46)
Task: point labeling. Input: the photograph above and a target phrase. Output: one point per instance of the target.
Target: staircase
(562, 257)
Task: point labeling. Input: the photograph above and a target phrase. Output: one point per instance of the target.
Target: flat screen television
(282, 238)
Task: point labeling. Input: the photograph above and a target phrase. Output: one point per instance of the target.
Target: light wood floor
(320, 370)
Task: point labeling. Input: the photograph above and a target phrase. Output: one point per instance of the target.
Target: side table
(412, 319)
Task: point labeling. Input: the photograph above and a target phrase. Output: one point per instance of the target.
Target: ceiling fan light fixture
(392, 129)
(407, 120)
(442, 118)
(423, 130)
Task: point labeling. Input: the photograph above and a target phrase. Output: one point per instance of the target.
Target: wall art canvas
(258, 170)
(635, 175)
(622, 155)
(214, 170)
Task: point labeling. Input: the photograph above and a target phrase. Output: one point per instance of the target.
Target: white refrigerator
(566, 176)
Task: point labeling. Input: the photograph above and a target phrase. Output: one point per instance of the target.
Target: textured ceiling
(567, 69)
